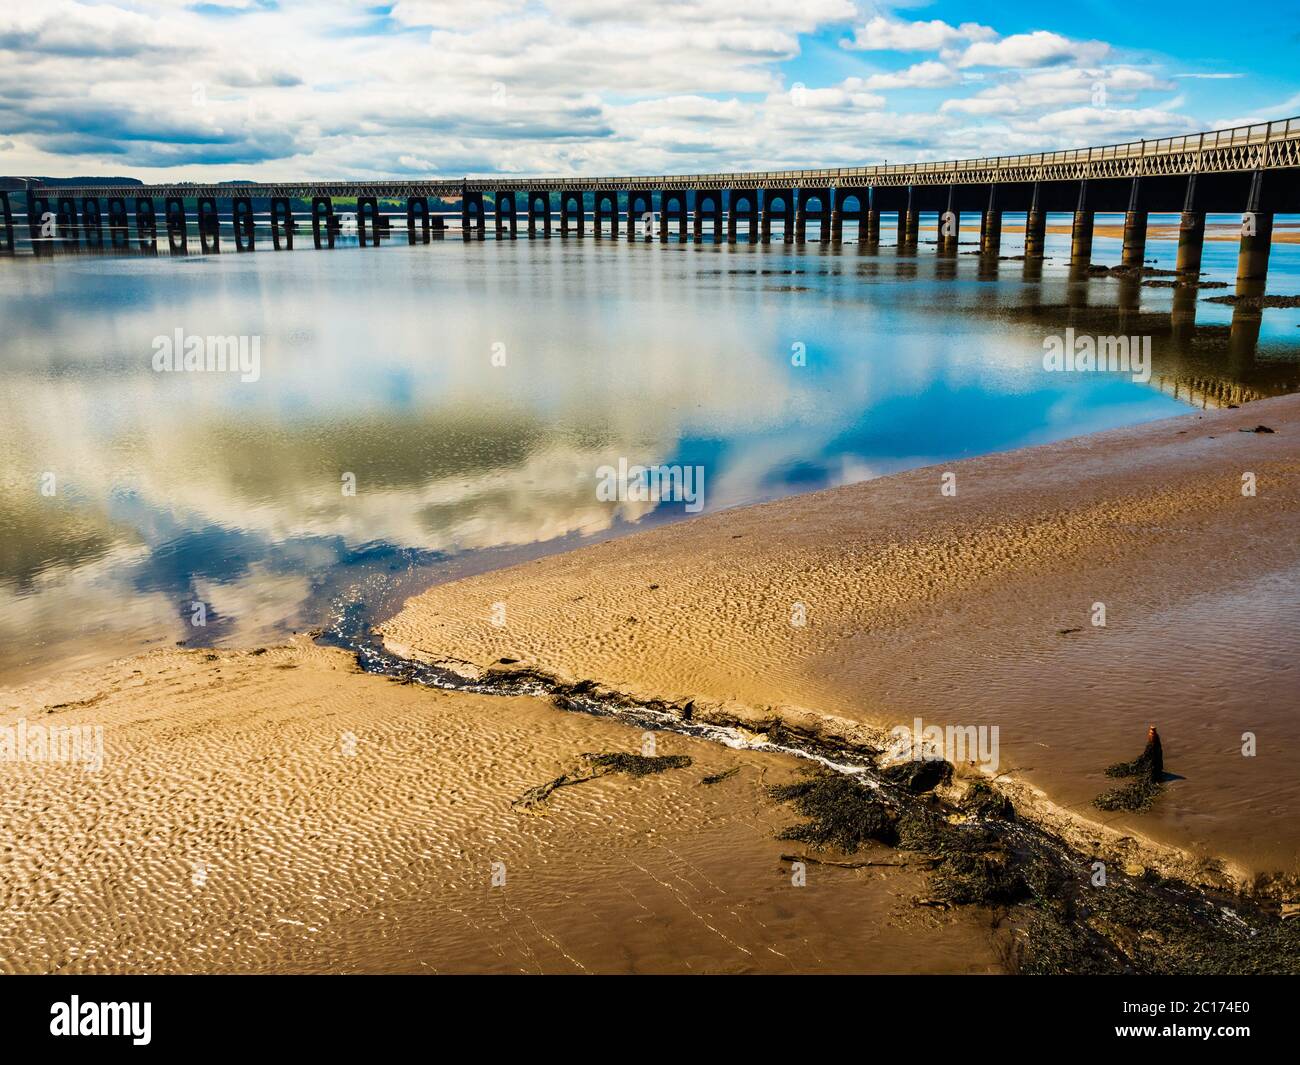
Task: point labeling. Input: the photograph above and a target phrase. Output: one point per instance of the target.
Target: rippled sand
(973, 610)
(230, 830)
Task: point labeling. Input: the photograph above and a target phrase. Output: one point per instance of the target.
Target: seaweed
(718, 778)
(598, 765)
(919, 775)
(841, 813)
(983, 800)
(1148, 768)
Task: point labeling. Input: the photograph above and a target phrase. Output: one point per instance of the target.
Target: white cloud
(894, 35)
(1036, 49)
(927, 75)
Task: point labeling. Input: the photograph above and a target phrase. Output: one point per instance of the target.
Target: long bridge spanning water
(1254, 170)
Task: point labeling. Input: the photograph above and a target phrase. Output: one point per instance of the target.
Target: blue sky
(336, 88)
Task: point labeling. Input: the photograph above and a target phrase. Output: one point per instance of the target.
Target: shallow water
(474, 391)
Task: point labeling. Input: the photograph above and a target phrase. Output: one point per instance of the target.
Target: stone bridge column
(872, 235)
(1081, 229)
(1256, 230)
(1135, 228)
(91, 225)
(68, 229)
(282, 223)
(640, 214)
(241, 217)
(322, 216)
(368, 212)
(991, 226)
(209, 226)
(950, 225)
(505, 215)
(714, 198)
(539, 206)
(911, 232)
(785, 196)
(146, 224)
(178, 241)
(604, 208)
(472, 215)
(119, 223)
(1191, 232)
(674, 200)
(1035, 228)
(750, 199)
(7, 217)
(568, 213)
(38, 207)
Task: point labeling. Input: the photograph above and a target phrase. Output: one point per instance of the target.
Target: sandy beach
(276, 809)
(971, 609)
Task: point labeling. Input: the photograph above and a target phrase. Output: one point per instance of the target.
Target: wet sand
(972, 610)
(229, 830)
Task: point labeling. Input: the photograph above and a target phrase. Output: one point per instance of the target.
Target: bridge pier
(241, 219)
(677, 198)
(872, 235)
(38, 207)
(505, 216)
(605, 209)
(367, 222)
(68, 230)
(1191, 233)
(714, 198)
(119, 224)
(640, 208)
(92, 223)
(174, 215)
(539, 206)
(209, 226)
(472, 220)
(322, 213)
(787, 230)
(146, 225)
(949, 225)
(1135, 228)
(1256, 232)
(7, 215)
(801, 213)
(750, 199)
(420, 205)
(1035, 227)
(571, 207)
(1081, 229)
(991, 226)
(282, 223)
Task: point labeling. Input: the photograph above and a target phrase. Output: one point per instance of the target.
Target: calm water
(172, 489)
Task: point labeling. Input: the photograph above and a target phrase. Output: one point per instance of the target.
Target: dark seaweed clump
(972, 864)
(636, 765)
(1148, 769)
(981, 800)
(919, 774)
(841, 813)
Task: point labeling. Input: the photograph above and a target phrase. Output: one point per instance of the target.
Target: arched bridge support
(241, 219)
(749, 197)
(539, 206)
(861, 198)
(40, 235)
(605, 209)
(368, 225)
(92, 222)
(119, 223)
(322, 217)
(822, 213)
(771, 197)
(472, 217)
(282, 223)
(209, 226)
(7, 217)
(640, 214)
(177, 235)
(146, 225)
(506, 215)
(571, 208)
(674, 201)
(68, 230)
(417, 206)
(713, 197)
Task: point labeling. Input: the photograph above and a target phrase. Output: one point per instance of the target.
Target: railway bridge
(1254, 170)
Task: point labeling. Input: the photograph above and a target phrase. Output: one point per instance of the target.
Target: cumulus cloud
(335, 88)
(883, 34)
